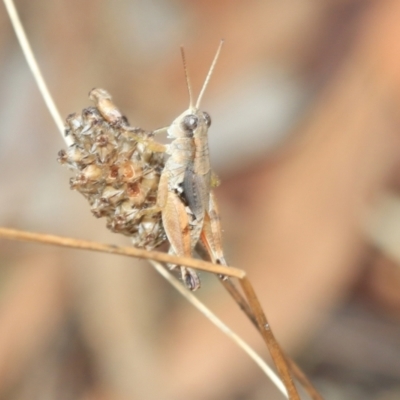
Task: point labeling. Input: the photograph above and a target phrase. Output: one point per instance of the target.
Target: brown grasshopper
(124, 174)
(188, 207)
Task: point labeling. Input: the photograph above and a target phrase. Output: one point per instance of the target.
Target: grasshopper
(148, 190)
(185, 197)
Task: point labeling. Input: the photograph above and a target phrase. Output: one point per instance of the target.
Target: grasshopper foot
(190, 278)
(221, 261)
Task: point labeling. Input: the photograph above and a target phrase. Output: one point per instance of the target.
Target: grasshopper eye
(190, 122)
(207, 118)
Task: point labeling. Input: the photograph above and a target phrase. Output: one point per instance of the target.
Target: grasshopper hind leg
(211, 235)
(177, 228)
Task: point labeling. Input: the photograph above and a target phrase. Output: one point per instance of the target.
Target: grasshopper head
(190, 123)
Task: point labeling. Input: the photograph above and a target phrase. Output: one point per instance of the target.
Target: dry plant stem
(15, 234)
(294, 368)
(153, 257)
(239, 299)
(302, 378)
(273, 346)
(189, 296)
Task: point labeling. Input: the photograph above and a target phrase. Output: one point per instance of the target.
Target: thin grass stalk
(269, 338)
(62, 241)
(189, 296)
(294, 368)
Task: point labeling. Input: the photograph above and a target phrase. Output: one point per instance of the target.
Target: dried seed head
(115, 170)
(92, 172)
(129, 170)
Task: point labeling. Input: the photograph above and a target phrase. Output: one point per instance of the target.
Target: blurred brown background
(306, 139)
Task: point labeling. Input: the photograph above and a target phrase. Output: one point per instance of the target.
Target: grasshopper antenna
(187, 78)
(211, 70)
